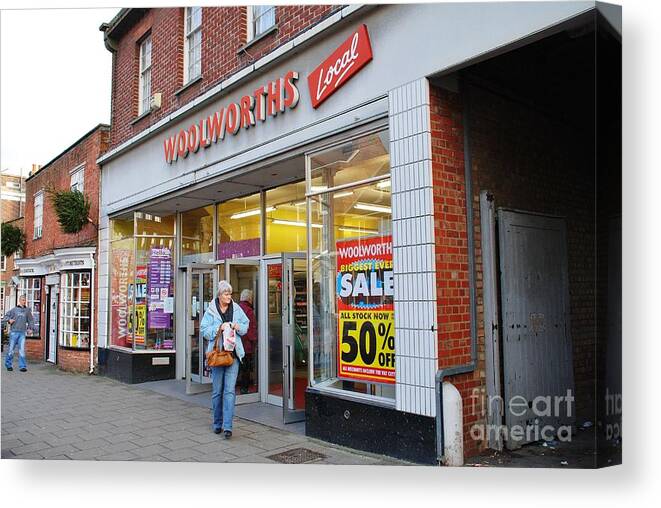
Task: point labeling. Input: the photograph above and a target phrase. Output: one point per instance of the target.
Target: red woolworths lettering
(351, 56)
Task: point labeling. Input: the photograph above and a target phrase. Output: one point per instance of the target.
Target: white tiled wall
(413, 248)
(104, 282)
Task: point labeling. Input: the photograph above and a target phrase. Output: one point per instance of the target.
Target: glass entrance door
(294, 336)
(243, 276)
(272, 330)
(200, 289)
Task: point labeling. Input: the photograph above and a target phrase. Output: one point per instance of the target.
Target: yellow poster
(366, 327)
(141, 322)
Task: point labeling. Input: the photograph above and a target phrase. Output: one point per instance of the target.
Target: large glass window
(75, 310)
(197, 235)
(31, 288)
(142, 282)
(122, 250)
(351, 268)
(239, 227)
(286, 219)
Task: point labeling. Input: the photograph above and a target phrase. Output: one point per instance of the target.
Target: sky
(55, 76)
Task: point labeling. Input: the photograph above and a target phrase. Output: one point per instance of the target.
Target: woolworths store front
(307, 179)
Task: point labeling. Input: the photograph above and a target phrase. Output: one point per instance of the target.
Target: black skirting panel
(370, 428)
(134, 368)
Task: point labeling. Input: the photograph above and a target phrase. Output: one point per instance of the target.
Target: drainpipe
(93, 309)
(441, 374)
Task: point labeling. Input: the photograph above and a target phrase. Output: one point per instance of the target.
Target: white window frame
(38, 214)
(144, 86)
(78, 178)
(3, 263)
(71, 302)
(31, 288)
(2, 300)
(190, 34)
(252, 17)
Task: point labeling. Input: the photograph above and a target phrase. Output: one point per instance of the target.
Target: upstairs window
(78, 178)
(192, 43)
(260, 19)
(38, 213)
(144, 90)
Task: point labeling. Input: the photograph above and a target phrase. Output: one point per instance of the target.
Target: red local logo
(352, 55)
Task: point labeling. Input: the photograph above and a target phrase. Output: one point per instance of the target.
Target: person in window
(20, 319)
(224, 314)
(249, 341)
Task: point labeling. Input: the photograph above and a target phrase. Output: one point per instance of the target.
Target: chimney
(35, 168)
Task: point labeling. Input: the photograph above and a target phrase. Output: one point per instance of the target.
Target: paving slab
(52, 415)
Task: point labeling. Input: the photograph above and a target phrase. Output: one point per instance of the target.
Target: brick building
(382, 201)
(12, 203)
(57, 270)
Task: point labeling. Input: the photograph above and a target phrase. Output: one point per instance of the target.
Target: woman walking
(224, 314)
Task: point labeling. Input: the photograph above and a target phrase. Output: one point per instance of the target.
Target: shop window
(75, 310)
(351, 268)
(2, 300)
(38, 214)
(261, 18)
(78, 178)
(239, 227)
(144, 87)
(286, 219)
(192, 43)
(142, 283)
(351, 162)
(197, 235)
(31, 288)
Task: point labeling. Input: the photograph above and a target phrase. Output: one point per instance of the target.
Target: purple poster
(238, 249)
(158, 282)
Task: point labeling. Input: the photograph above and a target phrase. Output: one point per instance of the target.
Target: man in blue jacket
(20, 319)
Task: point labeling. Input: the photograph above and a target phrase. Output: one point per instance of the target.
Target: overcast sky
(55, 82)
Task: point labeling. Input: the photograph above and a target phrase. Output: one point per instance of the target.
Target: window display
(31, 288)
(142, 283)
(352, 277)
(75, 310)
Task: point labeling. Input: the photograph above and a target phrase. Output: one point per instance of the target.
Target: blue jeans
(223, 395)
(16, 338)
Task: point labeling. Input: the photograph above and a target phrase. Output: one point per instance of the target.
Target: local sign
(345, 62)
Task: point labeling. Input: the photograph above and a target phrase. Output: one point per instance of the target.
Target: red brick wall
(73, 360)
(529, 162)
(223, 34)
(57, 175)
(533, 162)
(451, 251)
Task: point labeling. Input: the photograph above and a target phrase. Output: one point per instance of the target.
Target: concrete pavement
(50, 414)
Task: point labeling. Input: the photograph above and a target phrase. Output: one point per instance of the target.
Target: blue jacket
(211, 321)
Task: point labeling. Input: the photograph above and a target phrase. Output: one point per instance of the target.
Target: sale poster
(159, 278)
(121, 298)
(366, 328)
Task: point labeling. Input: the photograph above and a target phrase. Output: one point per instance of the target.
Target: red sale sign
(351, 56)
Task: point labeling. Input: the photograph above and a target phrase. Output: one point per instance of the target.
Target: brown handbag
(217, 357)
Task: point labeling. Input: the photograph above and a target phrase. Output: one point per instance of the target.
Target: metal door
(294, 336)
(537, 348)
